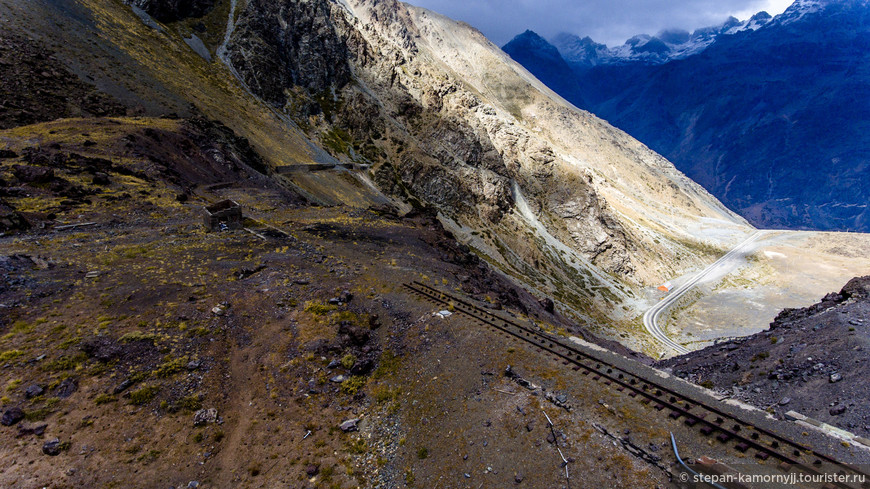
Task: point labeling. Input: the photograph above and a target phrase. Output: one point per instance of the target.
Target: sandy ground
(787, 269)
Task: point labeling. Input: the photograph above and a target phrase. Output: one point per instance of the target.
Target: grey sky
(608, 21)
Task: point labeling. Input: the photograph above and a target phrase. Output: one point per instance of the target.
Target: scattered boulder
(33, 174)
(363, 365)
(353, 334)
(857, 288)
(54, 447)
(519, 478)
(11, 416)
(374, 321)
(38, 430)
(349, 425)
(67, 387)
(312, 470)
(102, 348)
(338, 379)
(548, 305)
(837, 410)
(205, 416)
(835, 377)
(33, 390)
(124, 385)
(345, 296)
(784, 401)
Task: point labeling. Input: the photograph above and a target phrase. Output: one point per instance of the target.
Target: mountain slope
(368, 145)
(772, 121)
(468, 131)
(428, 114)
(545, 62)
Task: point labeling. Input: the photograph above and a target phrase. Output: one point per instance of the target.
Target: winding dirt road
(650, 319)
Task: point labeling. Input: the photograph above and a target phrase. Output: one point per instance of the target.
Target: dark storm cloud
(610, 21)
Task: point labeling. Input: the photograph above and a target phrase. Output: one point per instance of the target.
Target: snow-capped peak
(661, 48)
(799, 9)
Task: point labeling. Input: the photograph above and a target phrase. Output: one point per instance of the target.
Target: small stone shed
(226, 212)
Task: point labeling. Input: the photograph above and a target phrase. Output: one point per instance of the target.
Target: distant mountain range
(667, 45)
(770, 114)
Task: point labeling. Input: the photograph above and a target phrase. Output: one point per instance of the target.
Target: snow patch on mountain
(665, 46)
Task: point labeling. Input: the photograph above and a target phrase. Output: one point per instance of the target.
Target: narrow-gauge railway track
(701, 415)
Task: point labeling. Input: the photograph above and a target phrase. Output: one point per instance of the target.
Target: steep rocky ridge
(448, 120)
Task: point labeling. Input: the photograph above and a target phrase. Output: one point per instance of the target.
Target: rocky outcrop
(172, 10)
(290, 45)
(811, 360)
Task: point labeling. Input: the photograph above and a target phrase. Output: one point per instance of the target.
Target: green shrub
(319, 309)
(10, 355)
(354, 384)
(37, 414)
(388, 364)
(189, 403)
(347, 361)
(104, 399)
(144, 395)
(199, 331)
(170, 367)
(66, 362)
(69, 342)
(383, 393)
(357, 446)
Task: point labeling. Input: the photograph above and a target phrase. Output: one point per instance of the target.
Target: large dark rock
(32, 174)
(352, 334)
(102, 348)
(33, 390)
(12, 416)
(53, 447)
(67, 388)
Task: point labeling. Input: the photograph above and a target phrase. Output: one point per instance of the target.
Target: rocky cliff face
(171, 10)
(290, 44)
